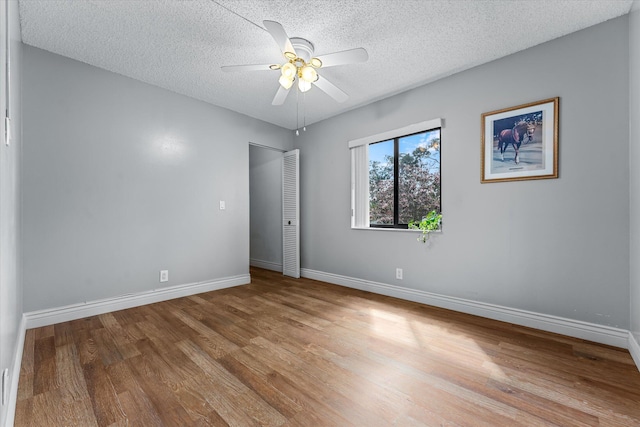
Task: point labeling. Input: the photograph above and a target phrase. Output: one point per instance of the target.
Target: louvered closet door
(291, 214)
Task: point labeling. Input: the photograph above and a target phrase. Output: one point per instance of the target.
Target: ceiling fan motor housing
(304, 48)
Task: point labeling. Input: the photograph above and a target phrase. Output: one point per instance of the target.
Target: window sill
(402, 230)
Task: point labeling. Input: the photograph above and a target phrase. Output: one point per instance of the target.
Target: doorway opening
(265, 207)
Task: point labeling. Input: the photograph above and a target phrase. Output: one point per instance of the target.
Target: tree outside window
(404, 179)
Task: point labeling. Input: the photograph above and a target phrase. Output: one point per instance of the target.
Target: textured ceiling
(181, 44)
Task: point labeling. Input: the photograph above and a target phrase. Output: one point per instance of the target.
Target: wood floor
(284, 352)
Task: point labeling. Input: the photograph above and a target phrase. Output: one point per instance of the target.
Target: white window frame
(359, 151)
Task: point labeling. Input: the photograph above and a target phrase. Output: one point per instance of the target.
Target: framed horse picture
(520, 143)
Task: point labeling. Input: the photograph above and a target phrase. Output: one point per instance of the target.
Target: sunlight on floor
(440, 342)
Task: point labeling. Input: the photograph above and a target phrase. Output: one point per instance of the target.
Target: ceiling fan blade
(279, 35)
(281, 95)
(350, 56)
(330, 89)
(252, 67)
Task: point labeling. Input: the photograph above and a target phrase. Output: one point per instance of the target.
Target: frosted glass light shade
(288, 70)
(309, 74)
(303, 85)
(285, 82)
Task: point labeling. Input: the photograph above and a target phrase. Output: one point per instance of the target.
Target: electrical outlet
(164, 275)
(399, 273)
(223, 205)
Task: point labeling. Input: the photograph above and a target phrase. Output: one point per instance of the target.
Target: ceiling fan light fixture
(301, 65)
(308, 74)
(288, 70)
(303, 85)
(285, 82)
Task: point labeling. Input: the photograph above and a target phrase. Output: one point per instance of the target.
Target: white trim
(402, 230)
(15, 374)
(36, 319)
(634, 349)
(267, 265)
(267, 147)
(560, 325)
(390, 134)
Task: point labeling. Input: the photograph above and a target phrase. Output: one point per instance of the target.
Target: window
(396, 179)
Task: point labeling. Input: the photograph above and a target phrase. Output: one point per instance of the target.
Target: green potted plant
(429, 223)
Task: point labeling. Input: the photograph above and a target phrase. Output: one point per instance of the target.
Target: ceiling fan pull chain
(304, 111)
(297, 113)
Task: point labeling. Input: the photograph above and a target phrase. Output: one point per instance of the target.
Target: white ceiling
(181, 44)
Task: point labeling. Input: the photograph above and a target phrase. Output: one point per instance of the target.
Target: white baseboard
(268, 265)
(634, 349)
(560, 325)
(15, 374)
(36, 319)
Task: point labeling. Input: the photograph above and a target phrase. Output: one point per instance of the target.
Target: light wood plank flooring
(284, 352)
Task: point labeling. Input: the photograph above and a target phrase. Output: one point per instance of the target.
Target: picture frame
(520, 143)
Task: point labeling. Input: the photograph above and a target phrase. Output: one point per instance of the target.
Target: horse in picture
(515, 137)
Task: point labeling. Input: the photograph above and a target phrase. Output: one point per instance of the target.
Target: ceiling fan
(301, 65)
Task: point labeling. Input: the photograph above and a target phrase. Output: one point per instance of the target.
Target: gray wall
(122, 179)
(265, 189)
(10, 285)
(558, 246)
(634, 160)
